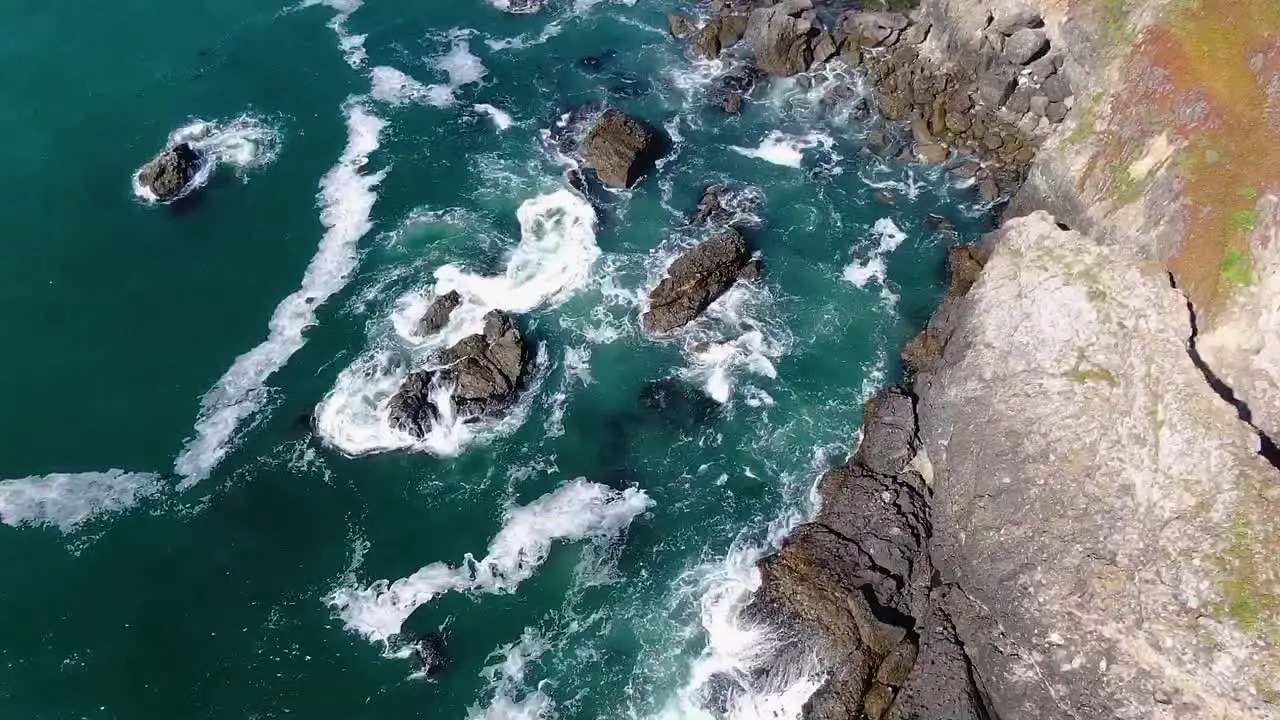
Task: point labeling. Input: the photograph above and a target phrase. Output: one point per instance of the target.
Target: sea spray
(578, 510)
(67, 500)
(346, 200)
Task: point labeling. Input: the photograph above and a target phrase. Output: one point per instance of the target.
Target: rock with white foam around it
(485, 372)
(169, 173)
(620, 148)
(696, 280)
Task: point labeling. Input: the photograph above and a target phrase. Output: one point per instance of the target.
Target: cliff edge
(1073, 510)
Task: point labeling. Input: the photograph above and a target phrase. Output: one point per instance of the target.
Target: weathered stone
(873, 29)
(1020, 101)
(1011, 21)
(917, 33)
(1056, 89)
(438, 312)
(932, 153)
(620, 148)
(994, 88)
(1025, 45)
(824, 48)
(781, 37)
(1038, 105)
(168, 174)
(732, 103)
(1056, 112)
(695, 280)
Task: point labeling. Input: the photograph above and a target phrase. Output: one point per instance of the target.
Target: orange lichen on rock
(1209, 74)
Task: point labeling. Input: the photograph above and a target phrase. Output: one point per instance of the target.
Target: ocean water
(202, 511)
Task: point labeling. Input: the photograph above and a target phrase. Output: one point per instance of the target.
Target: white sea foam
(394, 87)
(346, 200)
(461, 68)
(521, 42)
(352, 46)
(512, 700)
(244, 143)
(578, 510)
(889, 236)
(783, 149)
(554, 257)
(577, 370)
(501, 118)
(66, 500)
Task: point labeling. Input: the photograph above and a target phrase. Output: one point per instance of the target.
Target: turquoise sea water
(179, 540)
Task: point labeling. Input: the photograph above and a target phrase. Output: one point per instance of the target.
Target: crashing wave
(578, 510)
(67, 500)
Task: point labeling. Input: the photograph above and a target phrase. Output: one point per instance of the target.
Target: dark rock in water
(722, 206)
(596, 63)
(169, 173)
(695, 280)
(940, 224)
(438, 312)
(305, 421)
(620, 148)
(429, 654)
(678, 400)
(732, 103)
(489, 368)
(411, 409)
(566, 134)
(487, 372)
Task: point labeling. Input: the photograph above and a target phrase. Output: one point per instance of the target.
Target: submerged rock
(620, 148)
(695, 280)
(486, 372)
(438, 312)
(429, 654)
(169, 173)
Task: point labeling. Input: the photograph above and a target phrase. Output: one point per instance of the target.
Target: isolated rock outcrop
(169, 173)
(620, 148)
(696, 279)
(438, 312)
(485, 372)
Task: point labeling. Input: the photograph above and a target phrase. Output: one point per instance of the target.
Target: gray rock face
(1066, 419)
(486, 372)
(169, 173)
(620, 148)
(695, 280)
(872, 29)
(438, 312)
(782, 37)
(681, 26)
(1025, 45)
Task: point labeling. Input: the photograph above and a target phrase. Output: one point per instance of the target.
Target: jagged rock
(782, 37)
(169, 173)
(1019, 102)
(429, 654)
(995, 87)
(620, 148)
(1025, 45)
(932, 153)
(719, 34)
(722, 206)
(695, 280)
(732, 103)
(917, 33)
(486, 370)
(681, 26)
(1038, 105)
(1017, 19)
(824, 48)
(1056, 89)
(438, 312)
(872, 29)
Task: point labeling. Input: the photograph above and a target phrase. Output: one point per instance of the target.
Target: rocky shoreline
(1067, 513)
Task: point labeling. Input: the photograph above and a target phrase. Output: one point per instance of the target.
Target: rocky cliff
(1072, 511)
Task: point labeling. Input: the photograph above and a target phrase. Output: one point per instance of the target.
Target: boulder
(1025, 45)
(732, 103)
(486, 372)
(695, 280)
(873, 29)
(169, 173)
(438, 312)
(782, 37)
(620, 148)
(1056, 89)
(1017, 19)
(995, 87)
